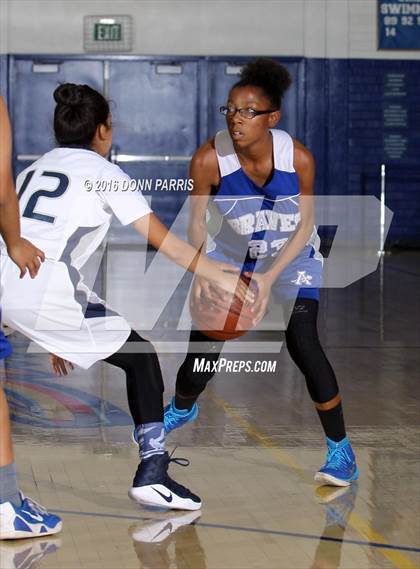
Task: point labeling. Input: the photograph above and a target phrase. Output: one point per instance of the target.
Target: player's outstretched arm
(23, 253)
(190, 258)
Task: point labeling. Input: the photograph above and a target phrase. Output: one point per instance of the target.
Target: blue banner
(399, 24)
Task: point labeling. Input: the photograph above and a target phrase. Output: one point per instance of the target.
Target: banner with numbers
(399, 24)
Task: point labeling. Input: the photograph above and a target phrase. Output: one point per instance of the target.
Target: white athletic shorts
(53, 311)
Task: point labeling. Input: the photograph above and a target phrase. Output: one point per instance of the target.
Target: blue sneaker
(28, 520)
(173, 418)
(340, 467)
(153, 487)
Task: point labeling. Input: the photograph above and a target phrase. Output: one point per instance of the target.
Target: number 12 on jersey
(29, 211)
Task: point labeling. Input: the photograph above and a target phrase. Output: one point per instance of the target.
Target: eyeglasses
(244, 113)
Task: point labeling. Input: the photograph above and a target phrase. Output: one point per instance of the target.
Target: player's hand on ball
(204, 290)
(229, 282)
(60, 366)
(264, 284)
(27, 257)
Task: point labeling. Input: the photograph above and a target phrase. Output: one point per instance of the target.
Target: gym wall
(305, 28)
(355, 107)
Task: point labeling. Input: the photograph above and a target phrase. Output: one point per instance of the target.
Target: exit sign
(105, 34)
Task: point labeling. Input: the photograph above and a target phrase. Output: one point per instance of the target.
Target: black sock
(184, 403)
(333, 423)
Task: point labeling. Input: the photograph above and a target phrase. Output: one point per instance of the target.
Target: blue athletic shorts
(301, 279)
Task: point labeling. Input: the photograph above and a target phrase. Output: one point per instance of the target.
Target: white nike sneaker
(28, 520)
(158, 530)
(153, 487)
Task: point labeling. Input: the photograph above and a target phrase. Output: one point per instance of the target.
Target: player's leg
(195, 371)
(9, 491)
(306, 351)
(20, 517)
(193, 375)
(151, 484)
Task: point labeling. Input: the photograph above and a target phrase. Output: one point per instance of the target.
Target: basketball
(224, 323)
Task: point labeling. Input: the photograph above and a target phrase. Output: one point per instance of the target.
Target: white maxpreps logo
(303, 278)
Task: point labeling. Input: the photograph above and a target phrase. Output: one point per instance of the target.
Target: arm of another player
(204, 172)
(132, 208)
(304, 165)
(204, 175)
(23, 253)
(221, 274)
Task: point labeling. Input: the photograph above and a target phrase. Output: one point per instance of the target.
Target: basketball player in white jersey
(20, 517)
(58, 311)
(261, 181)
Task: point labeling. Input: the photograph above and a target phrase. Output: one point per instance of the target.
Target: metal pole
(381, 253)
(382, 212)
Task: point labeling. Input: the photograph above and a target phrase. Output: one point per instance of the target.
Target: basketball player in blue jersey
(262, 180)
(20, 517)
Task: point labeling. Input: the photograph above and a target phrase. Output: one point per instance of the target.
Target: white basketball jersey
(67, 198)
(64, 215)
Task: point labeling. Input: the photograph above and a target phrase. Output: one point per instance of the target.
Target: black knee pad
(306, 351)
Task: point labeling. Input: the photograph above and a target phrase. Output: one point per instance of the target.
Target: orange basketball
(223, 323)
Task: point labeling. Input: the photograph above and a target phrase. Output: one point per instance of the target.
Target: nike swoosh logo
(168, 528)
(167, 498)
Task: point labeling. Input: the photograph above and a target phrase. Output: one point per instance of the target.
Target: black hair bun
(69, 94)
(78, 113)
(266, 72)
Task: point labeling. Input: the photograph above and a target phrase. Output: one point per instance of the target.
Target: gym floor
(253, 450)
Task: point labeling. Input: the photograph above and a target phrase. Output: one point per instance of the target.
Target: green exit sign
(107, 32)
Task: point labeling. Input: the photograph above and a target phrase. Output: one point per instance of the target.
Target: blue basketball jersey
(258, 221)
